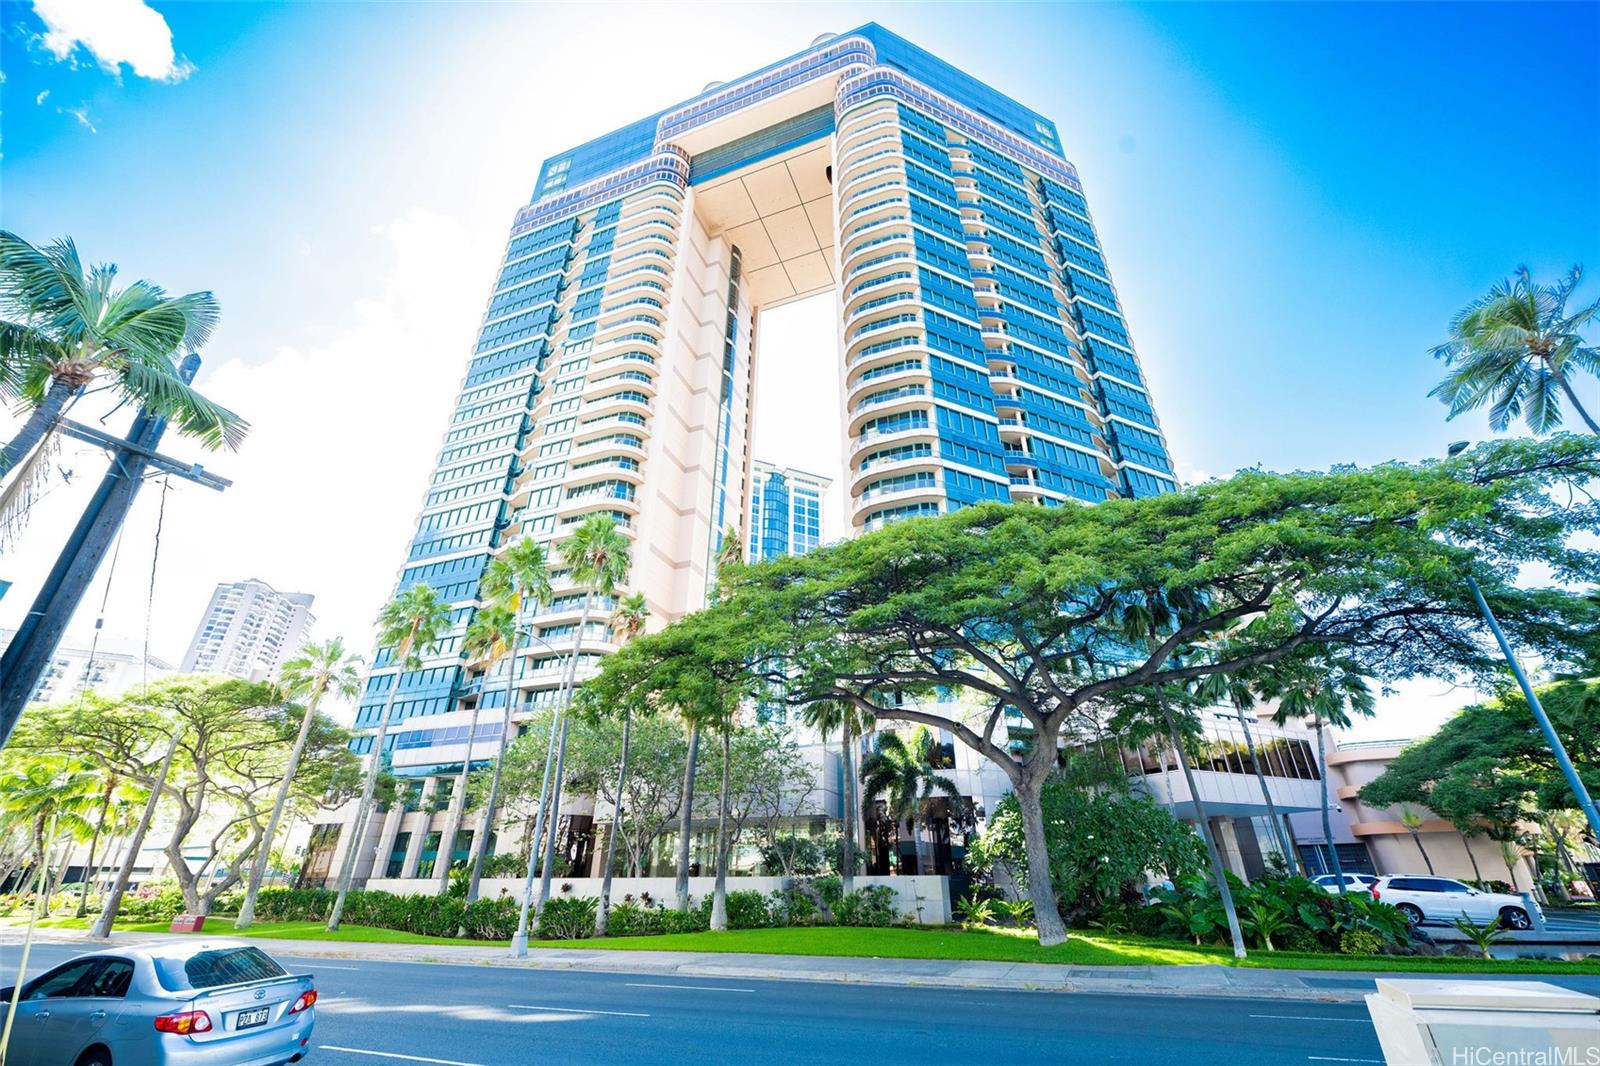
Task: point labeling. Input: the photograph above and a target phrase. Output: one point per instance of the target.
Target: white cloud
(115, 32)
(81, 113)
(44, 94)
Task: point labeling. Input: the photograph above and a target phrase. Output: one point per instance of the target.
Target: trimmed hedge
(484, 919)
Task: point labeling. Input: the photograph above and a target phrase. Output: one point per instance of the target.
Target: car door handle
(43, 1016)
(97, 1015)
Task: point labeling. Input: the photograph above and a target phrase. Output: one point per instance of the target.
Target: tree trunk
(1466, 842)
(719, 899)
(458, 807)
(847, 752)
(90, 870)
(1219, 872)
(567, 685)
(1572, 398)
(22, 965)
(1289, 857)
(369, 785)
(41, 420)
(1046, 911)
(1416, 838)
(686, 817)
(1327, 819)
(519, 941)
(258, 869)
(108, 912)
(480, 842)
(602, 912)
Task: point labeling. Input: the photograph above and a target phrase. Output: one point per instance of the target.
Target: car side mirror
(7, 993)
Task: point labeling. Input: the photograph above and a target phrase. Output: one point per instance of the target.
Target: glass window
(64, 982)
(111, 981)
(212, 969)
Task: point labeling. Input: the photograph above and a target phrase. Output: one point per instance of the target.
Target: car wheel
(1515, 918)
(95, 1057)
(1411, 912)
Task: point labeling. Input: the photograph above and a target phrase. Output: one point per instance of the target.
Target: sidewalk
(1323, 985)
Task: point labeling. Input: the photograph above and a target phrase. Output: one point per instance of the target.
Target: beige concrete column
(391, 828)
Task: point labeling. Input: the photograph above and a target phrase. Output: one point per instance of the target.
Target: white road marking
(1316, 1018)
(576, 1010)
(320, 966)
(693, 988)
(394, 1055)
(1331, 1058)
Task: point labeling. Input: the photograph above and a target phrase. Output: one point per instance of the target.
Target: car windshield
(213, 969)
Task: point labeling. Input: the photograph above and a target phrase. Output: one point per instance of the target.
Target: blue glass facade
(785, 512)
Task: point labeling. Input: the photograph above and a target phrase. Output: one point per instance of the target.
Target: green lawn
(987, 945)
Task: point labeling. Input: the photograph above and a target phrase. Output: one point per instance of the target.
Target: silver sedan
(183, 1002)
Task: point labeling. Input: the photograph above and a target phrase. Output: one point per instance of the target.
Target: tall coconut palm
(1327, 690)
(518, 580)
(1239, 692)
(1517, 350)
(908, 778)
(828, 717)
(1413, 825)
(597, 556)
(488, 641)
(315, 671)
(728, 559)
(63, 327)
(627, 621)
(412, 624)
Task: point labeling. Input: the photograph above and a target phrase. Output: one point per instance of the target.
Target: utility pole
(35, 643)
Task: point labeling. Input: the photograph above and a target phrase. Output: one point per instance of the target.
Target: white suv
(1352, 882)
(1440, 899)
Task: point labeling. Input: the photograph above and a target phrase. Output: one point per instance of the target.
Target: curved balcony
(874, 266)
(892, 283)
(888, 230)
(617, 402)
(608, 444)
(848, 185)
(896, 372)
(632, 419)
(889, 401)
(862, 476)
(650, 321)
(879, 438)
(582, 507)
(889, 321)
(915, 491)
(619, 380)
(875, 209)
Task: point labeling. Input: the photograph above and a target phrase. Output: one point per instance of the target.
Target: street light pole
(1558, 749)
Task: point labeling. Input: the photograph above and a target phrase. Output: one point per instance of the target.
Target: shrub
(509, 864)
(632, 919)
(794, 906)
(829, 889)
(491, 919)
(1297, 939)
(1360, 942)
(872, 906)
(748, 910)
(294, 904)
(568, 917)
(694, 920)
(153, 903)
(975, 910)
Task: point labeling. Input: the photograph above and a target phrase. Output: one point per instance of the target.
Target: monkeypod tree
(1015, 608)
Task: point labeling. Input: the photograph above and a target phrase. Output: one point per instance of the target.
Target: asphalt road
(373, 1013)
(1573, 920)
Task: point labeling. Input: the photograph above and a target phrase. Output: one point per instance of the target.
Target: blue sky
(1294, 199)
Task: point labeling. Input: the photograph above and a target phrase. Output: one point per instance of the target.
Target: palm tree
(1327, 690)
(908, 778)
(1239, 692)
(1413, 823)
(489, 638)
(517, 580)
(49, 796)
(1517, 349)
(314, 672)
(598, 556)
(729, 557)
(627, 622)
(63, 328)
(412, 624)
(849, 721)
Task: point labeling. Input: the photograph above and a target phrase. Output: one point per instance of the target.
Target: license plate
(249, 1019)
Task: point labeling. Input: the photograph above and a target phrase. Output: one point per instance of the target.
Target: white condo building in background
(249, 628)
(110, 666)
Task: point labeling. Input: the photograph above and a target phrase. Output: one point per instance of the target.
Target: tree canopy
(1022, 608)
